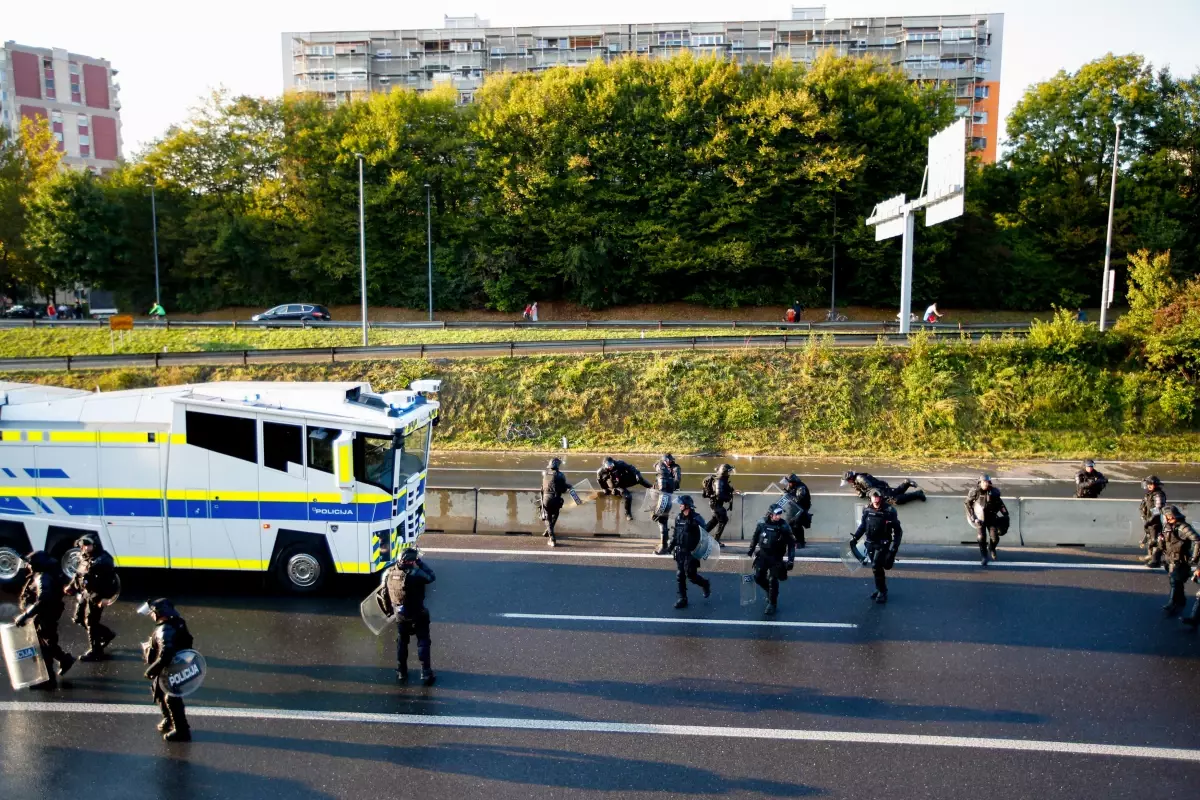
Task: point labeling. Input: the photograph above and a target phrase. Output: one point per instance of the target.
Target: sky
(170, 55)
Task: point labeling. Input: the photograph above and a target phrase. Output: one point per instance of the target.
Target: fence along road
(461, 350)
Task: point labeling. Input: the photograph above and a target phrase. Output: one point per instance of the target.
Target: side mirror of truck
(343, 464)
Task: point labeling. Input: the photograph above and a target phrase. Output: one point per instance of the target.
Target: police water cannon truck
(302, 480)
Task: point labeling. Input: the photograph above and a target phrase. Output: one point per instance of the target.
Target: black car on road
(295, 312)
(25, 312)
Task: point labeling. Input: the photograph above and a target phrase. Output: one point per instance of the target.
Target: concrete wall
(1038, 521)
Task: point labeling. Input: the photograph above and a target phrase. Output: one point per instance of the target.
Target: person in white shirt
(931, 314)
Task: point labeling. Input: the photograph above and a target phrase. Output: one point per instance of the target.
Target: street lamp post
(1112, 201)
(154, 233)
(429, 248)
(362, 247)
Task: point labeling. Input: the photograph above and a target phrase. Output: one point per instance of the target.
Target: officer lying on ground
(864, 483)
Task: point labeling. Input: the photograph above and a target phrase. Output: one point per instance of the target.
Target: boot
(662, 551)
(553, 542)
(770, 609)
(164, 725)
(919, 495)
(402, 675)
(992, 554)
(427, 676)
(92, 655)
(66, 663)
(178, 735)
(706, 590)
(1191, 622)
(882, 598)
(1170, 610)
(681, 602)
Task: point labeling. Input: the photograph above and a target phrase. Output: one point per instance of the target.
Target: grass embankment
(1041, 397)
(22, 342)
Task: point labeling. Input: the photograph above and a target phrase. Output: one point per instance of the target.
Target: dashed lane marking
(628, 728)
(682, 621)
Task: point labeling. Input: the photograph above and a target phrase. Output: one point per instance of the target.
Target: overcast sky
(170, 54)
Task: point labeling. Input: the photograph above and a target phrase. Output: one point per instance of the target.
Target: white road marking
(684, 621)
(919, 562)
(581, 726)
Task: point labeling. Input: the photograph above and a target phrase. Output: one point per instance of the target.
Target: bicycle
(833, 315)
(519, 430)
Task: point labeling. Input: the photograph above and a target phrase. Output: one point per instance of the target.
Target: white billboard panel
(946, 209)
(888, 218)
(947, 173)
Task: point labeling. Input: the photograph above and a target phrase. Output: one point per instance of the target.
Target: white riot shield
(657, 504)
(373, 614)
(579, 495)
(23, 655)
(184, 675)
(749, 595)
(114, 594)
(851, 558)
(708, 549)
(791, 510)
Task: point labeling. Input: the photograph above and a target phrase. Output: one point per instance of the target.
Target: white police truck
(301, 480)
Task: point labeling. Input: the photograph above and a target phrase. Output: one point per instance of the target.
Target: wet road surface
(753, 473)
(1010, 669)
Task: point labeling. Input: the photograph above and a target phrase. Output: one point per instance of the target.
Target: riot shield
(708, 549)
(791, 510)
(184, 675)
(657, 504)
(749, 588)
(23, 655)
(373, 614)
(852, 558)
(579, 495)
(114, 594)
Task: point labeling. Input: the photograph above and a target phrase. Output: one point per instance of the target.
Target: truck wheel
(70, 562)
(300, 570)
(10, 564)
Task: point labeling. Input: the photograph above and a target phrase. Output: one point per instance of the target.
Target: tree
(27, 161)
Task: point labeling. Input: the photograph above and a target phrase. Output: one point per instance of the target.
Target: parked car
(25, 312)
(297, 312)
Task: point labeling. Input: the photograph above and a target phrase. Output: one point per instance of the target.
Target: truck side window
(320, 448)
(281, 444)
(230, 436)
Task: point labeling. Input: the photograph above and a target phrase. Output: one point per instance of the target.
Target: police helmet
(409, 554)
(1151, 480)
(725, 469)
(668, 458)
(875, 493)
(555, 463)
(88, 540)
(609, 463)
(1173, 512)
(41, 561)
(686, 501)
(794, 478)
(985, 478)
(848, 475)
(1089, 464)
(775, 511)
(160, 607)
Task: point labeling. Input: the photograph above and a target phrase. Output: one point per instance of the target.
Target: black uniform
(1089, 484)
(719, 497)
(1181, 551)
(95, 580)
(554, 486)
(772, 540)
(41, 602)
(797, 490)
(667, 479)
(684, 539)
(864, 482)
(618, 478)
(1153, 503)
(169, 637)
(404, 595)
(993, 524)
(881, 526)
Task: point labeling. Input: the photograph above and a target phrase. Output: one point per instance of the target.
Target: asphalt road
(969, 683)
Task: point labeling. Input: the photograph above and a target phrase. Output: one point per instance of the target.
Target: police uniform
(95, 580)
(169, 637)
(1089, 483)
(994, 522)
(667, 479)
(864, 483)
(554, 486)
(772, 539)
(404, 595)
(685, 538)
(881, 527)
(721, 495)
(797, 491)
(41, 602)
(1153, 502)
(1181, 552)
(615, 477)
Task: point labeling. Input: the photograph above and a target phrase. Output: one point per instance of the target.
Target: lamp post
(1112, 201)
(362, 246)
(429, 248)
(154, 233)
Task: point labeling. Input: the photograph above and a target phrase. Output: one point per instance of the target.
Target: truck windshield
(374, 460)
(414, 455)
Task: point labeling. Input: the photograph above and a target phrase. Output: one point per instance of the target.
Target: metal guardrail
(445, 350)
(882, 327)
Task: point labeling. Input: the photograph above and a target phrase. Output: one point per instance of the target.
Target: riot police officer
(554, 486)
(988, 514)
(797, 491)
(404, 595)
(772, 539)
(615, 477)
(1154, 500)
(170, 635)
(685, 538)
(719, 492)
(1089, 481)
(94, 582)
(41, 602)
(667, 479)
(1181, 552)
(881, 525)
(865, 482)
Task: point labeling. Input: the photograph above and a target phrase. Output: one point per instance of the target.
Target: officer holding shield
(797, 491)
(404, 595)
(689, 527)
(772, 538)
(169, 637)
(41, 602)
(554, 486)
(881, 525)
(989, 516)
(667, 479)
(95, 583)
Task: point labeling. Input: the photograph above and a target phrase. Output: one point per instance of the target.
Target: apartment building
(962, 51)
(75, 94)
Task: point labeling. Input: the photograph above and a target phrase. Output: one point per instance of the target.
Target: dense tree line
(639, 181)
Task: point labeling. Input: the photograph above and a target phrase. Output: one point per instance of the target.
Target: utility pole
(429, 247)
(154, 228)
(362, 246)
(1106, 280)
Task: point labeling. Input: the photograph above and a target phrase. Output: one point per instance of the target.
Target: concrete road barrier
(450, 510)
(1100, 523)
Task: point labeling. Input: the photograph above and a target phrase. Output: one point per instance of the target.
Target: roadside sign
(947, 173)
(120, 322)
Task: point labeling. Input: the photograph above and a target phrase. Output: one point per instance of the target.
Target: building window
(86, 152)
(459, 47)
(702, 41)
(981, 118)
(982, 92)
(282, 444)
(585, 41)
(236, 437)
(673, 38)
(320, 448)
(84, 139)
(979, 143)
(962, 111)
(56, 116)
